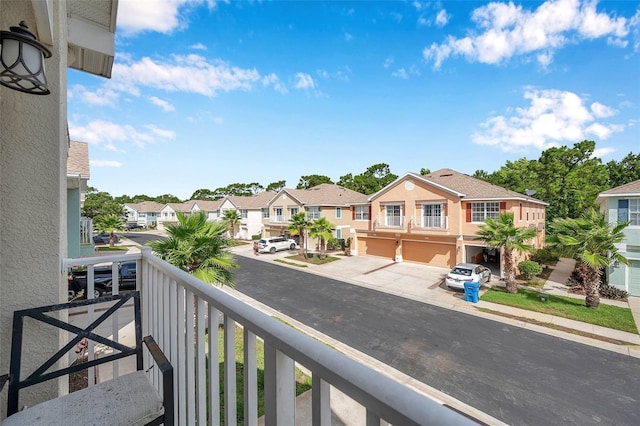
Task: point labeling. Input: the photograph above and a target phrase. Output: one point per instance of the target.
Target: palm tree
(231, 218)
(110, 224)
(591, 240)
(501, 233)
(298, 223)
(198, 247)
(323, 229)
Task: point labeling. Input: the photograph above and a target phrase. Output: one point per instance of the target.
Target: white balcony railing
(430, 222)
(389, 222)
(178, 309)
(278, 219)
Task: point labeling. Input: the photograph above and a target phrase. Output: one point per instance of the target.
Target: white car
(274, 244)
(466, 272)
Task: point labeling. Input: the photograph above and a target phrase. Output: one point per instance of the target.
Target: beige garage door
(377, 247)
(433, 254)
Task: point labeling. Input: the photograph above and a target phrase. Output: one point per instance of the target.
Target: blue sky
(208, 93)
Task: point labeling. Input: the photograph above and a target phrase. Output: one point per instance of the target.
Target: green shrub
(333, 244)
(545, 256)
(610, 292)
(256, 237)
(529, 269)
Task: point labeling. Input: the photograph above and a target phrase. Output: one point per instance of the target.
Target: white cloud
(198, 46)
(166, 106)
(101, 97)
(105, 163)
(304, 81)
(348, 37)
(401, 73)
(388, 62)
(107, 134)
(342, 74)
(552, 118)
(184, 73)
(507, 30)
(273, 80)
(602, 111)
(601, 152)
(442, 18)
(135, 16)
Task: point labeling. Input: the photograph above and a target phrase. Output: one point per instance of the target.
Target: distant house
(250, 209)
(336, 203)
(435, 218)
(145, 213)
(168, 213)
(79, 229)
(622, 204)
(211, 208)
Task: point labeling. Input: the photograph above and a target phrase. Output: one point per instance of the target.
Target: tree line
(567, 178)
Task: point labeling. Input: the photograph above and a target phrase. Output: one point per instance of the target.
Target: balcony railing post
(250, 380)
(230, 408)
(321, 402)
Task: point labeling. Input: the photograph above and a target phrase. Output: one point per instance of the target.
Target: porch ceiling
(92, 27)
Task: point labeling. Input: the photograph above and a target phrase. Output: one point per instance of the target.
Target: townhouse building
(435, 218)
(622, 204)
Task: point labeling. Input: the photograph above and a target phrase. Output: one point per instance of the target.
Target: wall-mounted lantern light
(22, 61)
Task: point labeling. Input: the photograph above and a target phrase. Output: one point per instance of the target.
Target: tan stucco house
(333, 202)
(434, 218)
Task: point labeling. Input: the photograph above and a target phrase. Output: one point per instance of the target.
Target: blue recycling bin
(471, 291)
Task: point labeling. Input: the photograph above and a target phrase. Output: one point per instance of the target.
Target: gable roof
(631, 188)
(325, 194)
(146, 206)
(252, 202)
(209, 205)
(78, 159)
(182, 207)
(463, 186)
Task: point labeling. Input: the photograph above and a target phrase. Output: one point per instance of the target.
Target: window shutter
(623, 210)
(503, 206)
(520, 211)
(468, 212)
(369, 212)
(353, 212)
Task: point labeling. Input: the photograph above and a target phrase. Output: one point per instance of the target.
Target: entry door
(634, 278)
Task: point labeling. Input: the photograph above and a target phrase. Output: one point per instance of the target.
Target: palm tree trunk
(591, 278)
(510, 278)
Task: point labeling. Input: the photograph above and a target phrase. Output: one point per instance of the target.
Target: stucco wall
(33, 156)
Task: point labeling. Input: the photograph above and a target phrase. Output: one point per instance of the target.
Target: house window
(362, 213)
(338, 233)
(393, 215)
(338, 213)
(293, 210)
(265, 213)
(482, 211)
(313, 212)
(432, 216)
(278, 214)
(634, 211)
(244, 213)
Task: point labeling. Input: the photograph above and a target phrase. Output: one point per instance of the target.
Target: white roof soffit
(91, 39)
(44, 17)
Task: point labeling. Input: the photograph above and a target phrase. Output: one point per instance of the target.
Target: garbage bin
(471, 291)
(342, 243)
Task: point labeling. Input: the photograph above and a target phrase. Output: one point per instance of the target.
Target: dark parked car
(102, 280)
(132, 226)
(104, 238)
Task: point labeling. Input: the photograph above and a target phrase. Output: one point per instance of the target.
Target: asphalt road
(518, 376)
(142, 237)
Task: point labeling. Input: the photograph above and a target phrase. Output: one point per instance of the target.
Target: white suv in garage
(273, 244)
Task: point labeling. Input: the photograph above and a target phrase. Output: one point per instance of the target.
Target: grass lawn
(608, 316)
(313, 258)
(303, 382)
(114, 248)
